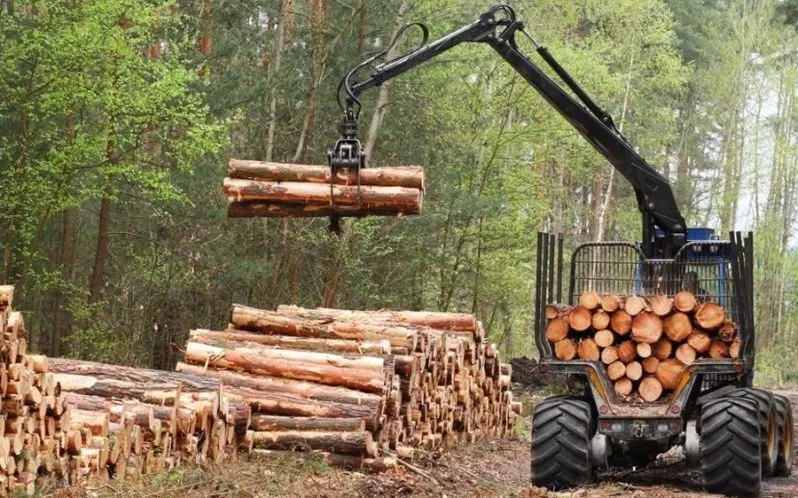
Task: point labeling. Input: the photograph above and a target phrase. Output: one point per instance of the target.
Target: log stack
(262, 189)
(360, 387)
(644, 343)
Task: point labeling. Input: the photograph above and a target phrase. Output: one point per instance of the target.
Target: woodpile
(260, 189)
(644, 343)
(361, 388)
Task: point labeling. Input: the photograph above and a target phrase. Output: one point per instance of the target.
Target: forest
(118, 119)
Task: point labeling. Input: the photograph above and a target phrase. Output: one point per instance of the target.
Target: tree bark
(275, 423)
(388, 176)
(382, 347)
(436, 320)
(348, 443)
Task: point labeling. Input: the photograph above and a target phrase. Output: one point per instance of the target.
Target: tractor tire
(561, 435)
(784, 432)
(730, 447)
(768, 427)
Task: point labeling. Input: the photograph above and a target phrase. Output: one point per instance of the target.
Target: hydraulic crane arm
(497, 27)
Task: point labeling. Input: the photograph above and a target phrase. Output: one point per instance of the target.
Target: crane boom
(655, 197)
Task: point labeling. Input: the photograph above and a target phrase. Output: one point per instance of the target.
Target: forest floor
(498, 468)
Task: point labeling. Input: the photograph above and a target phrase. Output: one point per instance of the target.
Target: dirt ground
(489, 469)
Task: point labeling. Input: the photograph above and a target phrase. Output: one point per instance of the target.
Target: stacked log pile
(644, 343)
(260, 189)
(360, 387)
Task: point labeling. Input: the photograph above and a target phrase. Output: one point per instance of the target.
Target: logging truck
(621, 411)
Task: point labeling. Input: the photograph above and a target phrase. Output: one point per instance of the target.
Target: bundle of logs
(645, 343)
(360, 388)
(260, 189)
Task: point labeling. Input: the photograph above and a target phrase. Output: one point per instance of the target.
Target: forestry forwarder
(737, 434)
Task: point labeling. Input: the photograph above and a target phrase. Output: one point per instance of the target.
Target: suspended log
(609, 303)
(589, 300)
(634, 305)
(364, 197)
(623, 387)
(650, 389)
(601, 320)
(621, 322)
(646, 327)
(604, 338)
(699, 341)
(685, 301)
(669, 373)
(277, 210)
(565, 349)
(381, 347)
(393, 176)
(661, 305)
(557, 330)
(677, 326)
(363, 380)
(580, 318)
(588, 350)
(709, 316)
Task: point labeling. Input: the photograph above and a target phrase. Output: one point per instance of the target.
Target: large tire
(561, 434)
(785, 441)
(768, 431)
(730, 445)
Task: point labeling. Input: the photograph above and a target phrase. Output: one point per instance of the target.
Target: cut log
(580, 318)
(634, 370)
(627, 351)
(589, 300)
(436, 320)
(616, 370)
(588, 350)
(362, 380)
(609, 303)
(623, 387)
(661, 305)
(727, 331)
(685, 301)
(552, 311)
(565, 349)
(677, 326)
(276, 423)
(363, 197)
(669, 373)
(601, 320)
(349, 443)
(650, 364)
(686, 354)
(643, 350)
(604, 338)
(735, 349)
(634, 305)
(650, 389)
(268, 322)
(647, 327)
(621, 322)
(609, 355)
(718, 350)
(699, 341)
(393, 176)
(662, 349)
(382, 347)
(709, 316)
(557, 330)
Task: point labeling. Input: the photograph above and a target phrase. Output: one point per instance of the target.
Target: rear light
(738, 368)
(617, 427)
(662, 427)
(676, 426)
(605, 425)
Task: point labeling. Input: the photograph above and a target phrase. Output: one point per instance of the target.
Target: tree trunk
(101, 252)
(437, 320)
(290, 342)
(273, 423)
(348, 443)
